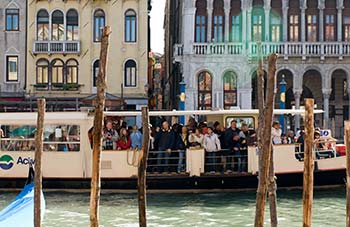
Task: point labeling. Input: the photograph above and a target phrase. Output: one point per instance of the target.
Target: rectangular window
(218, 31)
(235, 34)
(330, 28)
(130, 77)
(200, 29)
(257, 27)
(294, 28)
(275, 29)
(130, 29)
(72, 32)
(12, 68)
(12, 19)
(312, 28)
(346, 28)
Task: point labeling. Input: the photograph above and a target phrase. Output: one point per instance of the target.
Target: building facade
(64, 40)
(13, 50)
(219, 45)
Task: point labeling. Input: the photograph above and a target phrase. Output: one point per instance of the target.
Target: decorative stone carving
(321, 4)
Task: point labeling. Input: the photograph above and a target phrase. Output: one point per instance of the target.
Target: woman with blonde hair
(124, 141)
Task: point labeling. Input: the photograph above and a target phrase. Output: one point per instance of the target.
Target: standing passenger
(211, 144)
(136, 138)
(165, 139)
(110, 136)
(184, 138)
(276, 133)
(124, 142)
(228, 135)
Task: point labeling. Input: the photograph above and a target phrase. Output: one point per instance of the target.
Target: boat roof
(51, 116)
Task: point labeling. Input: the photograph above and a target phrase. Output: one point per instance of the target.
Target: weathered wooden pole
(272, 188)
(261, 101)
(141, 180)
(38, 162)
(308, 182)
(97, 130)
(347, 143)
(264, 161)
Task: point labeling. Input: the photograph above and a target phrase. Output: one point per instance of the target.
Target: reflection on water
(212, 209)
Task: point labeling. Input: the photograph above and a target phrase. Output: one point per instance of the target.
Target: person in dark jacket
(228, 135)
(166, 142)
(179, 146)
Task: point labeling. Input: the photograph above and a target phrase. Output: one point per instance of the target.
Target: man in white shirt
(276, 133)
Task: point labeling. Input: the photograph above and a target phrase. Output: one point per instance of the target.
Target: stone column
(227, 24)
(285, 8)
(297, 95)
(326, 95)
(321, 7)
(267, 8)
(340, 8)
(244, 22)
(188, 22)
(210, 18)
(303, 23)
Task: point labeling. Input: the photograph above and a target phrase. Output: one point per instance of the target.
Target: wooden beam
(38, 162)
(141, 180)
(265, 153)
(98, 129)
(308, 183)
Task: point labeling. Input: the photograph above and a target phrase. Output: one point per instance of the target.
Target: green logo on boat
(6, 162)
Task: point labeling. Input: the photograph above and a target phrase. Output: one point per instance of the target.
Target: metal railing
(60, 47)
(166, 162)
(226, 161)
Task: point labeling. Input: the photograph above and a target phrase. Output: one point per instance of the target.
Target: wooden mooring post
(265, 153)
(308, 182)
(347, 143)
(141, 180)
(38, 162)
(97, 130)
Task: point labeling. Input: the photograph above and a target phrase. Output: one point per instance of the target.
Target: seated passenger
(124, 142)
(110, 136)
(318, 142)
(196, 139)
(136, 138)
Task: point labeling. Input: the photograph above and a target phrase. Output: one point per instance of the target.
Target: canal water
(234, 209)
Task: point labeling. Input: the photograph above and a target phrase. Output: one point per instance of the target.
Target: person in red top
(124, 141)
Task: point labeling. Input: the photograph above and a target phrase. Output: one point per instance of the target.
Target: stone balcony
(56, 47)
(304, 50)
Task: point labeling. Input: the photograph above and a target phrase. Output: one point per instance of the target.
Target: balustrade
(63, 47)
(287, 49)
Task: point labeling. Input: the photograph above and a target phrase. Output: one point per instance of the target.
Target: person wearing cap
(276, 133)
(211, 144)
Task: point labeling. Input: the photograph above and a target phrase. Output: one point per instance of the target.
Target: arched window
(204, 91)
(57, 26)
(42, 23)
(57, 71)
(72, 25)
(72, 72)
(95, 69)
(130, 76)
(201, 21)
(218, 34)
(230, 89)
(130, 26)
(42, 71)
(275, 27)
(99, 23)
(235, 21)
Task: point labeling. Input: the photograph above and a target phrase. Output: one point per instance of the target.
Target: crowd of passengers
(226, 148)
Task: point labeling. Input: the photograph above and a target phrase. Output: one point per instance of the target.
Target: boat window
(240, 119)
(56, 138)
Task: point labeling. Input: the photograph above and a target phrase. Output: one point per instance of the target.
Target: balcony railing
(57, 47)
(287, 49)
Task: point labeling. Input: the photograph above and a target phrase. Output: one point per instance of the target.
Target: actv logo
(6, 162)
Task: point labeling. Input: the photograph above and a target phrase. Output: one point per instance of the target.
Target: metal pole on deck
(347, 143)
(38, 162)
(97, 130)
(182, 100)
(283, 86)
(141, 180)
(308, 182)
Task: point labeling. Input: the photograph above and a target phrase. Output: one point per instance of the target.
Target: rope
(134, 161)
